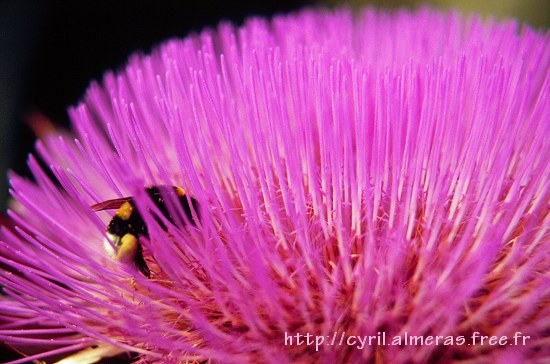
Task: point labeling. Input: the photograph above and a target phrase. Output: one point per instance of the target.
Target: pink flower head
(381, 175)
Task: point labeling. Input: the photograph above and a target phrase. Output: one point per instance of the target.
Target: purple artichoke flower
(356, 178)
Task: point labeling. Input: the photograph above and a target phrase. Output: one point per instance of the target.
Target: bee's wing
(110, 204)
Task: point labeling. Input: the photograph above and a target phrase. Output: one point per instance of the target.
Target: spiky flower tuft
(371, 174)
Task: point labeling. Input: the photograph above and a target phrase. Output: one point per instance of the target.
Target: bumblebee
(127, 225)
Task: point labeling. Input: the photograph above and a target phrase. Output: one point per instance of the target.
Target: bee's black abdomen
(187, 208)
(157, 196)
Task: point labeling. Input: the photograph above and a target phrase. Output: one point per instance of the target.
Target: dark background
(51, 50)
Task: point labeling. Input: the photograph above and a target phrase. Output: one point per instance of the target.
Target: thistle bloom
(370, 174)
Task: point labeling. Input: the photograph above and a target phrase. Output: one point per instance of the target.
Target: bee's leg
(140, 262)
